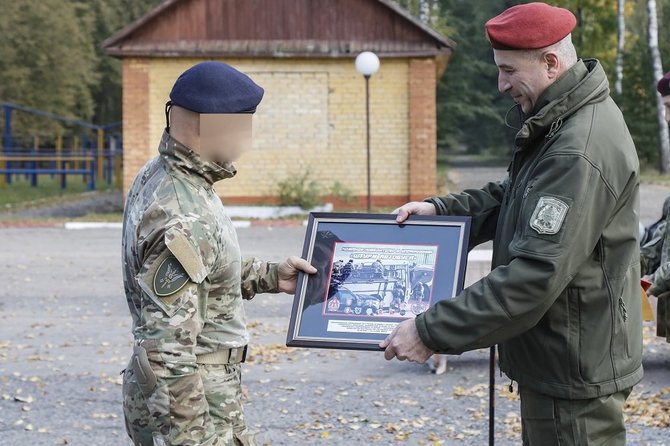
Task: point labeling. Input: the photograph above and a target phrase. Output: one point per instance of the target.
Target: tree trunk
(427, 11)
(621, 20)
(664, 139)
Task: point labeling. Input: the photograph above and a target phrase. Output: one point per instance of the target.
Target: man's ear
(553, 64)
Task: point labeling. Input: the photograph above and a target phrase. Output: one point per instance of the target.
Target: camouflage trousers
(222, 388)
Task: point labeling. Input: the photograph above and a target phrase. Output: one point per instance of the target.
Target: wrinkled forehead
(514, 59)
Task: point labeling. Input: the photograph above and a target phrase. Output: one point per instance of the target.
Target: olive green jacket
(563, 298)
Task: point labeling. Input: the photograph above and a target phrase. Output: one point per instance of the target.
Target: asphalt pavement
(65, 336)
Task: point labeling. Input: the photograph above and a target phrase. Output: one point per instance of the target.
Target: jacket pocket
(145, 376)
(595, 334)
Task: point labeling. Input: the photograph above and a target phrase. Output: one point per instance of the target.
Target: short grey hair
(563, 48)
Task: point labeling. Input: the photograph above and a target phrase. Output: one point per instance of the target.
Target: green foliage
(20, 194)
(46, 58)
(51, 59)
(341, 192)
(471, 111)
(299, 190)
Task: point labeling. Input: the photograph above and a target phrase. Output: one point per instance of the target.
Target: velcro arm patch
(187, 255)
(165, 282)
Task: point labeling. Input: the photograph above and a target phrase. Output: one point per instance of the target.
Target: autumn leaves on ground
(64, 338)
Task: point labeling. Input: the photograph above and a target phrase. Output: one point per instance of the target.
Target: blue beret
(214, 87)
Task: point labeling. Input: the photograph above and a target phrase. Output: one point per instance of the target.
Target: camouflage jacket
(655, 259)
(183, 275)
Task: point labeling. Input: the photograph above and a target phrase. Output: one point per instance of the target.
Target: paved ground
(651, 195)
(64, 337)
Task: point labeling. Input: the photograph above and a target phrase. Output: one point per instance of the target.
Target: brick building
(312, 117)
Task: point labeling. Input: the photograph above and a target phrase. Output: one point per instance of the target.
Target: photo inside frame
(380, 280)
(372, 274)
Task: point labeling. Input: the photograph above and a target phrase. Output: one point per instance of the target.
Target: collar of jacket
(584, 83)
(186, 160)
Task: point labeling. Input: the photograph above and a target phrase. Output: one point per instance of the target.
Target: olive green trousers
(548, 421)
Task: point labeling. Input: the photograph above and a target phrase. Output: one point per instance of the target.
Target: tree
(621, 43)
(46, 60)
(102, 19)
(657, 66)
(51, 58)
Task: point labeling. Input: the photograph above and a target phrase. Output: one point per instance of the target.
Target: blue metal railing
(96, 158)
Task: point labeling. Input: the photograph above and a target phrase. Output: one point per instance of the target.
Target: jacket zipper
(623, 309)
(555, 127)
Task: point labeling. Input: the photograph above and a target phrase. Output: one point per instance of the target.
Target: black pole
(492, 395)
(367, 132)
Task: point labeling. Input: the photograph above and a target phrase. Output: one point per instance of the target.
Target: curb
(82, 225)
(238, 224)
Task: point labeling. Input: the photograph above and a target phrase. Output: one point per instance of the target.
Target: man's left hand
(404, 343)
(288, 270)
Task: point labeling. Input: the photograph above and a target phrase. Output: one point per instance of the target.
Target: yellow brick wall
(312, 118)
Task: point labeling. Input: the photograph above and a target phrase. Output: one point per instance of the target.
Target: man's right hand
(414, 207)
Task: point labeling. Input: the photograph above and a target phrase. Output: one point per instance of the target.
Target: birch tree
(621, 27)
(657, 66)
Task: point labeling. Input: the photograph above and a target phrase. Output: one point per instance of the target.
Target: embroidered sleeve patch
(548, 215)
(170, 277)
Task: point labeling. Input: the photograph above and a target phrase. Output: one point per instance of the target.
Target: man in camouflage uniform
(655, 261)
(184, 278)
(655, 253)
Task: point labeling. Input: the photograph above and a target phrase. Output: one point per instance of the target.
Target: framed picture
(373, 273)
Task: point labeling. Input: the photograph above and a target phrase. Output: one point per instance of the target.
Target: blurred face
(523, 77)
(224, 137)
(666, 102)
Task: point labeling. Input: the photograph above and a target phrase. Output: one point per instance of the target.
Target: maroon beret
(663, 85)
(529, 26)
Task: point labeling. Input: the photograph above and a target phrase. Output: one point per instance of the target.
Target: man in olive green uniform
(183, 275)
(562, 301)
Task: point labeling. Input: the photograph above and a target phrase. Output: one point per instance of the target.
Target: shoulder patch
(170, 277)
(548, 215)
(187, 254)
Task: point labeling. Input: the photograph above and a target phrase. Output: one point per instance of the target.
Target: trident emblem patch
(548, 215)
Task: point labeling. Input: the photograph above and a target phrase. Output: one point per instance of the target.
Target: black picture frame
(372, 274)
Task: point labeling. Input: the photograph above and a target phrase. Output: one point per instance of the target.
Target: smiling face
(525, 75)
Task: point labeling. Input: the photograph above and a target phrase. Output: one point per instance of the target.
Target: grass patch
(20, 194)
(442, 179)
(112, 217)
(654, 176)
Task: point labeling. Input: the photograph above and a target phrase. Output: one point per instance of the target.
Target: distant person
(378, 268)
(655, 251)
(347, 269)
(655, 263)
(646, 234)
